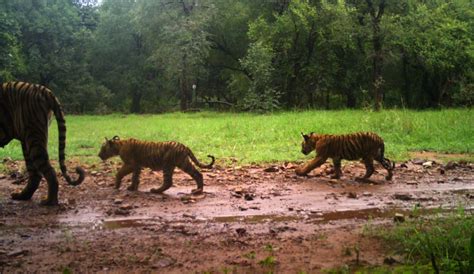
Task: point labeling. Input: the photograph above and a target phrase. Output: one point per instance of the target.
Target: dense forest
(148, 56)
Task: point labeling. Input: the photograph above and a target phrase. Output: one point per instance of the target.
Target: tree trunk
(406, 80)
(351, 98)
(136, 99)
(185, 94)
(377, 61)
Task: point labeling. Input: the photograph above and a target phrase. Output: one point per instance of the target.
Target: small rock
(412, 183)
(118, 201)
(352, 195)
(120, 211)
(399, 218)
(249, 196)
(450, 165)
(441, 171)
(457, 179)
(289, 209)
(164, 262)
(241, 231)
(418, 161)
(126, 207)
(271, 169)
(428, 164)
(404, 165)
(17, 253)
(239, 190)
(390, 261)
(402, 196)
(367, 194)
(186, 215)
(241, 208)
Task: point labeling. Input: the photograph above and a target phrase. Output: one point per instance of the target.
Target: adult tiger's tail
(58, 113)
(199, 164)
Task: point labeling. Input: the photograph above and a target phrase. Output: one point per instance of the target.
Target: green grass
(448, 239)
(252, 138)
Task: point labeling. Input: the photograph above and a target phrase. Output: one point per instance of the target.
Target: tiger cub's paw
(299, 172)
(49, 202)
(197, 191)
(156, 190)
(132, 188)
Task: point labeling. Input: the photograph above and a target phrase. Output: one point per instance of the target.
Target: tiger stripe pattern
(26, 111)
(367, 146)
(166, 156)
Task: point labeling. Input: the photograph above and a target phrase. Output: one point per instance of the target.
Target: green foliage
(260, 56)
(445, 238)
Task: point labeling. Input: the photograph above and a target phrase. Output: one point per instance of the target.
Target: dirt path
(250, 219)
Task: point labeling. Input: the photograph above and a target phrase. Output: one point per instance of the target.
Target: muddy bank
(250, 219)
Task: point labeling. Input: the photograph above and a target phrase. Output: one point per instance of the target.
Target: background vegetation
(254, 138)
(148, 56)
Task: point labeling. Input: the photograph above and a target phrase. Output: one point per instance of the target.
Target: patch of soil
(251, 219)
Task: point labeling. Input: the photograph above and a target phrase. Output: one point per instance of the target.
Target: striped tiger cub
(366, 145)
(25, 113)
(165, 156)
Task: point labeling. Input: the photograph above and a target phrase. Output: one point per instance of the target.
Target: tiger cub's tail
(199, 164)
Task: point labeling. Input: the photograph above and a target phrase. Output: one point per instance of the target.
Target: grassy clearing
(253, 138)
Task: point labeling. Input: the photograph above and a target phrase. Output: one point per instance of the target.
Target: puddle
(127, 223)
(256, 218)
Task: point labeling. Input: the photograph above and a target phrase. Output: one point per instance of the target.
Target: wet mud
(250, 219)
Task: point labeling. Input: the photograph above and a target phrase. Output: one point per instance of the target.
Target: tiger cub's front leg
(135, 180)
(305, 169)
(125, 170)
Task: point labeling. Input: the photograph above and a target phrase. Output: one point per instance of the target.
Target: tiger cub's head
(109, 148)
(308, 144)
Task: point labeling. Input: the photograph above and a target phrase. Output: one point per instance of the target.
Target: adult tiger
(165, 156)
(366, 145)
(26, 111)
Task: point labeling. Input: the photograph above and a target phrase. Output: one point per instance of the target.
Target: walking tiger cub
(366, 145)
(25, 112)
(165, 156)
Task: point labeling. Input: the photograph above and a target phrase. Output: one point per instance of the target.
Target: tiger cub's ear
(116, 138)
(306, 137)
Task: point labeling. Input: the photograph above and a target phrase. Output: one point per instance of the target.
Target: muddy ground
(251, 219)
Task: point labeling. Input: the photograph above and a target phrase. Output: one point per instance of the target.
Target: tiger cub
(366, 145)
(165, 156)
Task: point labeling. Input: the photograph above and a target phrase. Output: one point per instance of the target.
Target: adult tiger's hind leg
(305, 169)
(167, 180)
(34, 178)
(39, 157)
(189, 168)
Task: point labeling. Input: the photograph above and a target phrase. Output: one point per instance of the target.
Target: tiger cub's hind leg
(369, 169)
(34, 178)
(337, 168)
(135, 180)
(388, 166)
(195, 174)
(167, 180)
